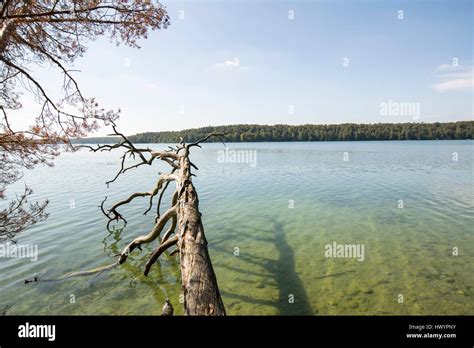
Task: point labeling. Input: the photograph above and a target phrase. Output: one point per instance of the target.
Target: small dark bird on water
(167, 308)
(35, 279)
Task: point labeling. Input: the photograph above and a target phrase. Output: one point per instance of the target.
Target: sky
(291, 62)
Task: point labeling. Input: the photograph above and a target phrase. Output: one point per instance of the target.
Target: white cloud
(233, 64)
(152, 85)
(453, 78)
(444, 67)
(451, 85)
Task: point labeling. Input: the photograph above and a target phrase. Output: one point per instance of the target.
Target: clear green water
(408, 251)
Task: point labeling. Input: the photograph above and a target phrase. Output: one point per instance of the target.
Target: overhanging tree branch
(35, 34)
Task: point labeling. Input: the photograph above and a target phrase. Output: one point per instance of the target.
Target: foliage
(308, 132)
(52, 34)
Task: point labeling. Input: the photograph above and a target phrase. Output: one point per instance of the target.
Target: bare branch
(197, 143)
(30, 78)
(158, 251)
(20, 214)
(150, 237)
(170, 230)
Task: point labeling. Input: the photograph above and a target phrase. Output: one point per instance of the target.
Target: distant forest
(310, 132)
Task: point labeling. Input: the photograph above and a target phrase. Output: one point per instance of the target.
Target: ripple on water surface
(267, 227)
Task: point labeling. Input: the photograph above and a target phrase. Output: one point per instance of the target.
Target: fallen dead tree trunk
(186, 232)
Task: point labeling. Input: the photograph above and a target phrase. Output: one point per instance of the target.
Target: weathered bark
(199, 283)
(200, 289)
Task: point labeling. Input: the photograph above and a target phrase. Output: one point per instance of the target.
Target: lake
(270, 222)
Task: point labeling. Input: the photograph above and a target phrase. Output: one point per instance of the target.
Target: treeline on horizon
(311, 132)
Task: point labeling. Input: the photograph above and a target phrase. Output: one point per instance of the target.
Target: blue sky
(245, 61)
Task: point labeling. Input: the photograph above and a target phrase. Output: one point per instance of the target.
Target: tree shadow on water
(292, 297)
